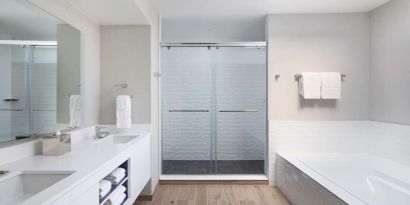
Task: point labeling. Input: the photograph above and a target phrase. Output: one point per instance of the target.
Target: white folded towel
(309, 85)
(118, 171)
(115, 179)
(117, 196)
(75, 111)
(104, 187)
(123, 103)
(331, 85)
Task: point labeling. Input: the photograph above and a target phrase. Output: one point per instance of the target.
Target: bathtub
(357, 179)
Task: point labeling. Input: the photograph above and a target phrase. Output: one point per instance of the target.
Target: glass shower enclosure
(28, 90)
(213, 109)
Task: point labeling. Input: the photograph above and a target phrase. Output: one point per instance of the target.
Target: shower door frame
(242, 177)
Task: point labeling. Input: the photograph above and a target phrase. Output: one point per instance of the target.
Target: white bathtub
(357, 178)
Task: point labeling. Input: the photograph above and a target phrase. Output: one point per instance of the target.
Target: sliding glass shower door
(213, 107)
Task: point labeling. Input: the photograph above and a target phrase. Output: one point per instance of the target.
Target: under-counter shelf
(114, 187)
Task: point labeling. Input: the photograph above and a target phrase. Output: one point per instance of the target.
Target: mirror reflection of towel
(123, 103)
(75, 111)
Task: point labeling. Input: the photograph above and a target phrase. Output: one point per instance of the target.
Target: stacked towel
(116, 176)
(331, 85)
(309, 85)
(123, 111)
(105, 187)
(117, 197)
(75, 111)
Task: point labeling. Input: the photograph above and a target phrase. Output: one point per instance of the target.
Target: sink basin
(18, 188)
(121, 139)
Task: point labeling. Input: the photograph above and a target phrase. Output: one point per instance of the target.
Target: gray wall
(213, 30)
(125, 58)
(69, 69)
(390, 73)
(318, 42)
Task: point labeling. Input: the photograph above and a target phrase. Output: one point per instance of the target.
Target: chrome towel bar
(299, 76)
(44, 110)
(238, 111)
(17, 110)
(188, 110)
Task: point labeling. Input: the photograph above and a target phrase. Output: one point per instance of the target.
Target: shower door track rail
(231, 44)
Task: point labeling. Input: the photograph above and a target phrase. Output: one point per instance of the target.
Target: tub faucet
(101, 132)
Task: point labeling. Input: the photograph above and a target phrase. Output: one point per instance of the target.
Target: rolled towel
(118, 171)
(115, 179)
(120, 199)
(116, 196)
(116, 176)
(104, 193)
(104, 185)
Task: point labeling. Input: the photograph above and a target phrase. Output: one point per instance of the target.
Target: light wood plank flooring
(216, 195)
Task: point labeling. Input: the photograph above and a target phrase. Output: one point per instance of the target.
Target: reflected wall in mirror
(40, 66)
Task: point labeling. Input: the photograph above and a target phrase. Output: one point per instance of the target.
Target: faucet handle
(99, 128)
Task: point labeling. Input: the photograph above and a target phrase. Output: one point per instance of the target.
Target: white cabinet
(140, 167)
(89, 197)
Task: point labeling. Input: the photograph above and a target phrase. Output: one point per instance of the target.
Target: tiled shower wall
(239, 85)
(381, 139)
(43, 91)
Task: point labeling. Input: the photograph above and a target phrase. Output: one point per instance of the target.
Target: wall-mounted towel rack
(298, 76)
(121, 86)
(16, 110)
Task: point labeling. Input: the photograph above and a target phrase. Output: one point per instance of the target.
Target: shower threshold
(224, 177)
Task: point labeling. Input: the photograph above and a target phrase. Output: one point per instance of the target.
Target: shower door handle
(238, 111)
(188, 110)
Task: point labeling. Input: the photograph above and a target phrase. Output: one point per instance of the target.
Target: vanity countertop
(89, 159)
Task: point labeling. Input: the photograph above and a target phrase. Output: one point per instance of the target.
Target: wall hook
(156, 74)
(277, 76)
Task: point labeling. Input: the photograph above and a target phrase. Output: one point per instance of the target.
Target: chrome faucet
(101, 132)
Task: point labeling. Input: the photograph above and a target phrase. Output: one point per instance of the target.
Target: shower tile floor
(208, 167)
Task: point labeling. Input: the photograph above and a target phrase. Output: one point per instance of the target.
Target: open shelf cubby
(114, 187)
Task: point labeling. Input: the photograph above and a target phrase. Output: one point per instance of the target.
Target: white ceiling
(111, 12)
(242, 8)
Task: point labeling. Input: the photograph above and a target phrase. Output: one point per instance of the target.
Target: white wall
(318, 42)
(125, 58)
(90, 36)
(212, 30)
(150, 12)
(390, 73)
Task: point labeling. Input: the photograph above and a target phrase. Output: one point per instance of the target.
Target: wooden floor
(216, 195)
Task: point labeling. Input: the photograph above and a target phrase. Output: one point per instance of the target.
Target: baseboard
(144, 198)
(147, 197)
(214, 182)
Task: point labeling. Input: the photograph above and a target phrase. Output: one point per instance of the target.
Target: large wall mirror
(40, 72)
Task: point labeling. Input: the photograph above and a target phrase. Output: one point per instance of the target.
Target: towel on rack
(117, 197)
(331, 85)
(123, 103)
(309, 85)
(75, 111)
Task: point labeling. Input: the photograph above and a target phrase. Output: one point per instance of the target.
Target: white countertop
(87, 159)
